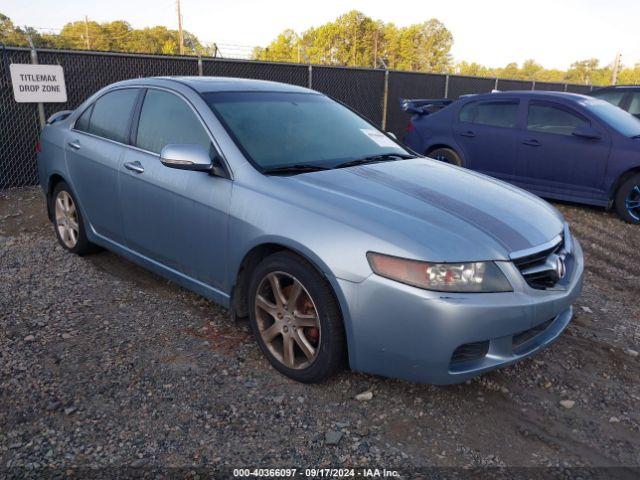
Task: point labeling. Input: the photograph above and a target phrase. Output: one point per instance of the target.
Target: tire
(68, 222)
(446, 155)
(312, 324)
(627, 200)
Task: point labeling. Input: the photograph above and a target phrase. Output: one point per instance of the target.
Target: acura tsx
(333, 239)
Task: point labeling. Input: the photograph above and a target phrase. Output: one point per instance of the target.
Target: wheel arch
(620, 180)
(261, 250)
(53, 180)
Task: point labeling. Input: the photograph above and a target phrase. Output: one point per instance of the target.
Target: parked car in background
(627, 97)
(557, 145)
(287, 207)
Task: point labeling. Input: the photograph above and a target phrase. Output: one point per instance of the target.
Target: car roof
(221, 84)
(527, 94)
(618, 87)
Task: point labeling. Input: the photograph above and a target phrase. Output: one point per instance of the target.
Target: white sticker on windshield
(380, 138)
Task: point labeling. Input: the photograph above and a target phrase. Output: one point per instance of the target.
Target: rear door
(94, 150)
(553, 161)
(175, 217)
(485, 130)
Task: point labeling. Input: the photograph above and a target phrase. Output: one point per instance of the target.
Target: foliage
(352, 39)
(355, 39)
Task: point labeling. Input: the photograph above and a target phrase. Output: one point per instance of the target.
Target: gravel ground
(104, 365)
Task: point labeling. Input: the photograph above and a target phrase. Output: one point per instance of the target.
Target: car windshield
(623, 122)
(277, 130)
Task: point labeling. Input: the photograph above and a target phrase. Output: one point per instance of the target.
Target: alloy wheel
(66, 217)
(287, 320)
(632, 202)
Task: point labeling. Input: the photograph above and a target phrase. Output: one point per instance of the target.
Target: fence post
(566, 86)
(446, 86)
(533, 84)
(385, 100)
(199, 65)
(310, 81)
(34, 61)
(495, 85)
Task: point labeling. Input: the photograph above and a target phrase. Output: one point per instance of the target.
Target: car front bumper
(404, 332)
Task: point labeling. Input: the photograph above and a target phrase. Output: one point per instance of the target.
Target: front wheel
(295, 318)
(627, 200)
(446, 155)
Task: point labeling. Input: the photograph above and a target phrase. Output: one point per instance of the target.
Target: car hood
(437, 211)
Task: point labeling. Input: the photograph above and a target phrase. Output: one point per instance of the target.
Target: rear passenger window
(111, 114)
(551, 119)
(82, 123)
(164, 119)
(494, 113)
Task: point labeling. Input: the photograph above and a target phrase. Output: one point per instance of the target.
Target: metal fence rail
(373, 93)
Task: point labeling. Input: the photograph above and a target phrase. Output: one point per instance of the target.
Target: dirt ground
(104, 365)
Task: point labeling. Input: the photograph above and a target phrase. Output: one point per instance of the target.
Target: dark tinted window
(165, 118)
(282, 129)
(111, 114)
(551, 119)
(614, 97)
(634, 106)
(494, 113)
(82, 123)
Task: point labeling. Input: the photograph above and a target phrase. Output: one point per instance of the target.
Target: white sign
(380, 138)
(38, 83)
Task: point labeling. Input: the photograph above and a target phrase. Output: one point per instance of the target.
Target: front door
(555, 162)
(177, 218)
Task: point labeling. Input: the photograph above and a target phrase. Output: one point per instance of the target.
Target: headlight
(442, 277)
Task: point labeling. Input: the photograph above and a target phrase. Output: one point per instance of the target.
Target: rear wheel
(627, 200)
(447, 155)
(295, 318)
(68, 222)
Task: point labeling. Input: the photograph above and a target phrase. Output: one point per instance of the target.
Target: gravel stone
(148, 392)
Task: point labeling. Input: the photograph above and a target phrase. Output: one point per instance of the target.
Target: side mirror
(587, 132)
(189, 156)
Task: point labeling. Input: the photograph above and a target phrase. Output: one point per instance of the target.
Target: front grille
(470, 351)
(537, 269)
(523, 337)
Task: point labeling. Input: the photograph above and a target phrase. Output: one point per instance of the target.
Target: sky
(554, 33)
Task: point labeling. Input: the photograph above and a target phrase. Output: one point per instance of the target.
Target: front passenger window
(166, 119)
(551, 119)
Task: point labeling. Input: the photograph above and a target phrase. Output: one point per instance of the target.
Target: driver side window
(164, 119)
(547, 118)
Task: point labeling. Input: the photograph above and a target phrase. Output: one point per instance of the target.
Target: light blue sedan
(336, 241)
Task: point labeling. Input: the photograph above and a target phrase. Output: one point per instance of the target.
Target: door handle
(134, 166)
(532, 143)
(468, 133)
(75, 145)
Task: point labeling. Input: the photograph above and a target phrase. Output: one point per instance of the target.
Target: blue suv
(557, 145)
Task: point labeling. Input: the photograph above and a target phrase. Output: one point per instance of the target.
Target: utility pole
(375, 48)
(616, 69)
(86, 32)
(180, 36)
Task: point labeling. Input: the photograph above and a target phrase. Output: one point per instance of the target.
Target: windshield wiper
(385, 157)
(297, 168)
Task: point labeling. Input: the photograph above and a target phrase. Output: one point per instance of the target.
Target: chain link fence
(375, 94)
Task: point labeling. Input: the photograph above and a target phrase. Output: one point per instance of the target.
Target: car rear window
(111, 114)
(494, 113)
(614, 97)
